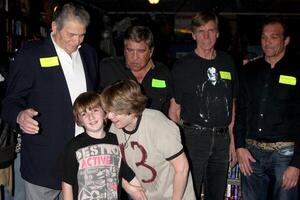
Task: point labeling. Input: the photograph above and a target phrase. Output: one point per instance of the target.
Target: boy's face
(92, 119)
(126, 121)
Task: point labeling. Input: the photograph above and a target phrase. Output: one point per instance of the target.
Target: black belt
(216, 130)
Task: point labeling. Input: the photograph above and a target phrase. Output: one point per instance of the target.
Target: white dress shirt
(74, 74)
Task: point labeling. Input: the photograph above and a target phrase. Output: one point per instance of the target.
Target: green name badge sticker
(288, 80)
(225, 75)
(157, 83)
(49, 62)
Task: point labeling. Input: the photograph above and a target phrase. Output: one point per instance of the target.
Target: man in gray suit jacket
(44, 81)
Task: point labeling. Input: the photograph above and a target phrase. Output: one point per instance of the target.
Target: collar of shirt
(62, 53)
(74, 74)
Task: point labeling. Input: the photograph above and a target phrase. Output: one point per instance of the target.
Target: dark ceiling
(291, 7)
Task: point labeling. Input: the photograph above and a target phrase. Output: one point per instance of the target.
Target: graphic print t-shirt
(148, 151)
(205, 89)
(92, 167)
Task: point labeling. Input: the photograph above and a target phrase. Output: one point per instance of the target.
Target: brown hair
(277, 20)
(123, 97)
(202, 18)
(85, 101)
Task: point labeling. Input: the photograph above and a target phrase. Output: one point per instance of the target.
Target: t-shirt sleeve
(70, 167)
(126, 172)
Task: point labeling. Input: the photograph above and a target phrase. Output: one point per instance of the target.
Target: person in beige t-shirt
(149, 141)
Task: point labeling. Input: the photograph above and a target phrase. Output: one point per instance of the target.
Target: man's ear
(193, 36)
(151, 51)
(53, 27)
(287, 40)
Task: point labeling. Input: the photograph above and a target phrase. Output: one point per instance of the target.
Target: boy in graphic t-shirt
(93, 167)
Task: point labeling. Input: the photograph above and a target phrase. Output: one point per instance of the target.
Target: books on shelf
(233, 191)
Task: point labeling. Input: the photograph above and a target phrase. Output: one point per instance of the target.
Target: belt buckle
(197, 126)
(219, 130)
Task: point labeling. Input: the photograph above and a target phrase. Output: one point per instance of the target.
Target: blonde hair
(123, 97)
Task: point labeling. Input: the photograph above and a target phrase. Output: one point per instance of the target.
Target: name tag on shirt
(157, 83)
(288, 80)
(225, 75)
(49, 62)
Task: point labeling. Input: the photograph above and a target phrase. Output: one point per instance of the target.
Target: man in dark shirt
(205, 87)
(268, 113)
(138, 65)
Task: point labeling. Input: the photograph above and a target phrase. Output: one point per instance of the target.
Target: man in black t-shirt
(137, 64)
(205, 87)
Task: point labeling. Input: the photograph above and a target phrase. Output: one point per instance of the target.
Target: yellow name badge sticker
(288, 80)
(225, 75)
(49, 62)
(157, 83)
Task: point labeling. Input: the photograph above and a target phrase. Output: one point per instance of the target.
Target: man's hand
(244, 159)
(26, 121)
(290, 177)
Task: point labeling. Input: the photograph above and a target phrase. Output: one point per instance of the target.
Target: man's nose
(77, 40)
(205, 34)
(91, 116)
(135, 55)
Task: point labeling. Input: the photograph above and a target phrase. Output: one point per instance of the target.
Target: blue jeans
(266, 180)
(209, 159)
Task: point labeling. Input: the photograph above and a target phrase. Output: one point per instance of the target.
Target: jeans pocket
(288, 151)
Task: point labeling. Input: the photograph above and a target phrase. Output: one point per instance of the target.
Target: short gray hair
(140, 34)
(69, 12)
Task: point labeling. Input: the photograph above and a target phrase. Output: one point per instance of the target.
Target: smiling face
(92, 119)
(126, 121)
(70, 36)
(137, 54)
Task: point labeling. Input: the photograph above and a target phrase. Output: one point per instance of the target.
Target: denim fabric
(266, 180)
(208, 156)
